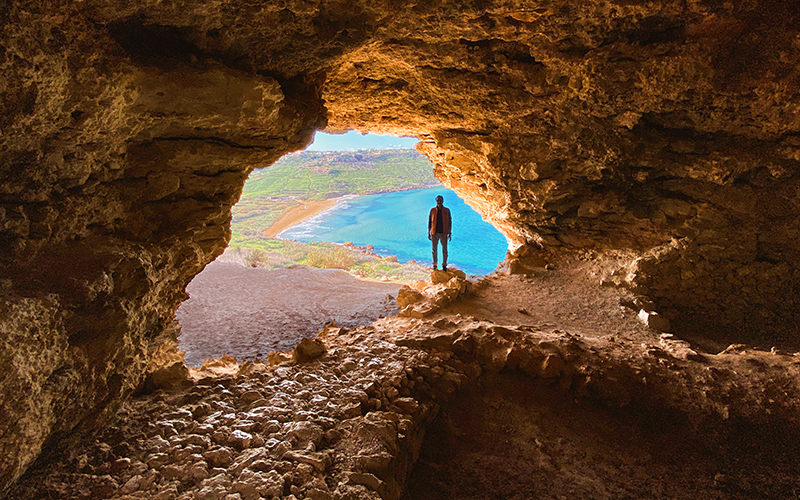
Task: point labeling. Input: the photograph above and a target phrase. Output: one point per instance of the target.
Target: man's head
(439, 201)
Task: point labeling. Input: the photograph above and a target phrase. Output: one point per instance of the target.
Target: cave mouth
(265, 293)
(350, 199)
(268, 290)
(284, 214)
(515, 437)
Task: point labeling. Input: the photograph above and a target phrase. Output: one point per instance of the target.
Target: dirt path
(246, 313)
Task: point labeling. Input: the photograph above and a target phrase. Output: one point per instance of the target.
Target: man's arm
(450, 226)
(430, 216)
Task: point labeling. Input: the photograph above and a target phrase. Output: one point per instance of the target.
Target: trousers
(435, 239)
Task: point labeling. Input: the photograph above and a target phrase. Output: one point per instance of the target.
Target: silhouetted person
(439, 225)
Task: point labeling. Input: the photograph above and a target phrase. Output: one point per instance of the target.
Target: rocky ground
(247, 312)
(453, 404)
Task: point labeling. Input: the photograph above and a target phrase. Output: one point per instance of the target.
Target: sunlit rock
(441, 276)
(307, 350)
(407, 296)
(426, 299)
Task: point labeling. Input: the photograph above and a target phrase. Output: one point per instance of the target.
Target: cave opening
(326, 235)
(354, 175)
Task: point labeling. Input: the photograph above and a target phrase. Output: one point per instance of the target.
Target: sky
(353, 141)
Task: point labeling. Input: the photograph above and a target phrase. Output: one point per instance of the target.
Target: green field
(314, 175)
(271, 192)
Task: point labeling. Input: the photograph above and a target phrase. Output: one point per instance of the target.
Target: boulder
(307, 350)
(654, 320)
(407, 296)
(438, 276)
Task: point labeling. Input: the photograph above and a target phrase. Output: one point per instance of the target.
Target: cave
(650, 149)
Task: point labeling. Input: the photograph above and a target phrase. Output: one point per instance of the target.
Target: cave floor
(570, 299)
(572, 400)
(513, 437)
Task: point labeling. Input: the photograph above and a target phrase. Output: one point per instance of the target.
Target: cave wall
(660, 133)
(119, 169)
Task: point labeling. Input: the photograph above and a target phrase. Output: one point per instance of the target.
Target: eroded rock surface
(349, 422)
(421, 299)
(661, 133)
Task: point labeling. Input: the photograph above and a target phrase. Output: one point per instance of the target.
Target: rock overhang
(663, 134)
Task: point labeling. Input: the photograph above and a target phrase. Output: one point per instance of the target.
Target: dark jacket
(446, 222)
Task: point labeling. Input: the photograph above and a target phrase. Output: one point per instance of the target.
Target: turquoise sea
(396, 224)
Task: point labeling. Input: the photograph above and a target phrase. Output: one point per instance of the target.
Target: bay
(396, 224)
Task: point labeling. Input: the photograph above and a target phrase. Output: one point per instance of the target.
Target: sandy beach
(298, 214)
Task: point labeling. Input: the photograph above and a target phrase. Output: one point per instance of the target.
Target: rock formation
(421, 299)
(660, 134)
(345, 415)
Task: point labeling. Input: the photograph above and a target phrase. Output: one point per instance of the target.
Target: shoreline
(314, 211)
(309, 208)
(299, 214)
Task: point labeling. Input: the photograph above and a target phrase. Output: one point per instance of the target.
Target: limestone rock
(276, 357)
(317, 462)
(407, 296)
(304, 433)
(419, 311)
(253, 485)
(446, 287)
(168, 376)
(219, 457)
(240, 439)
(439, 276)
(654, 320)
(366, 479)
(307, 350)
(406, 374)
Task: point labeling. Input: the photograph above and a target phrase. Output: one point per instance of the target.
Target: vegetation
(319, 175)
(358, 261)
(271, 192)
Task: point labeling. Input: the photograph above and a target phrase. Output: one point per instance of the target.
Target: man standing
(439, 226)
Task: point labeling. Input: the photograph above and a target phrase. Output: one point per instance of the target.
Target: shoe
(434, 267)
(444, 268)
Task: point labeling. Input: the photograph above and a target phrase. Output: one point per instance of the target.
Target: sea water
(397, 223)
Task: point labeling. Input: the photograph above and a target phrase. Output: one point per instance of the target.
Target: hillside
(314, 175)
(318, 175)
(272, 192)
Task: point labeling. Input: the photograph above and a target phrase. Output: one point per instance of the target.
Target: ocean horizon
(395, 223)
